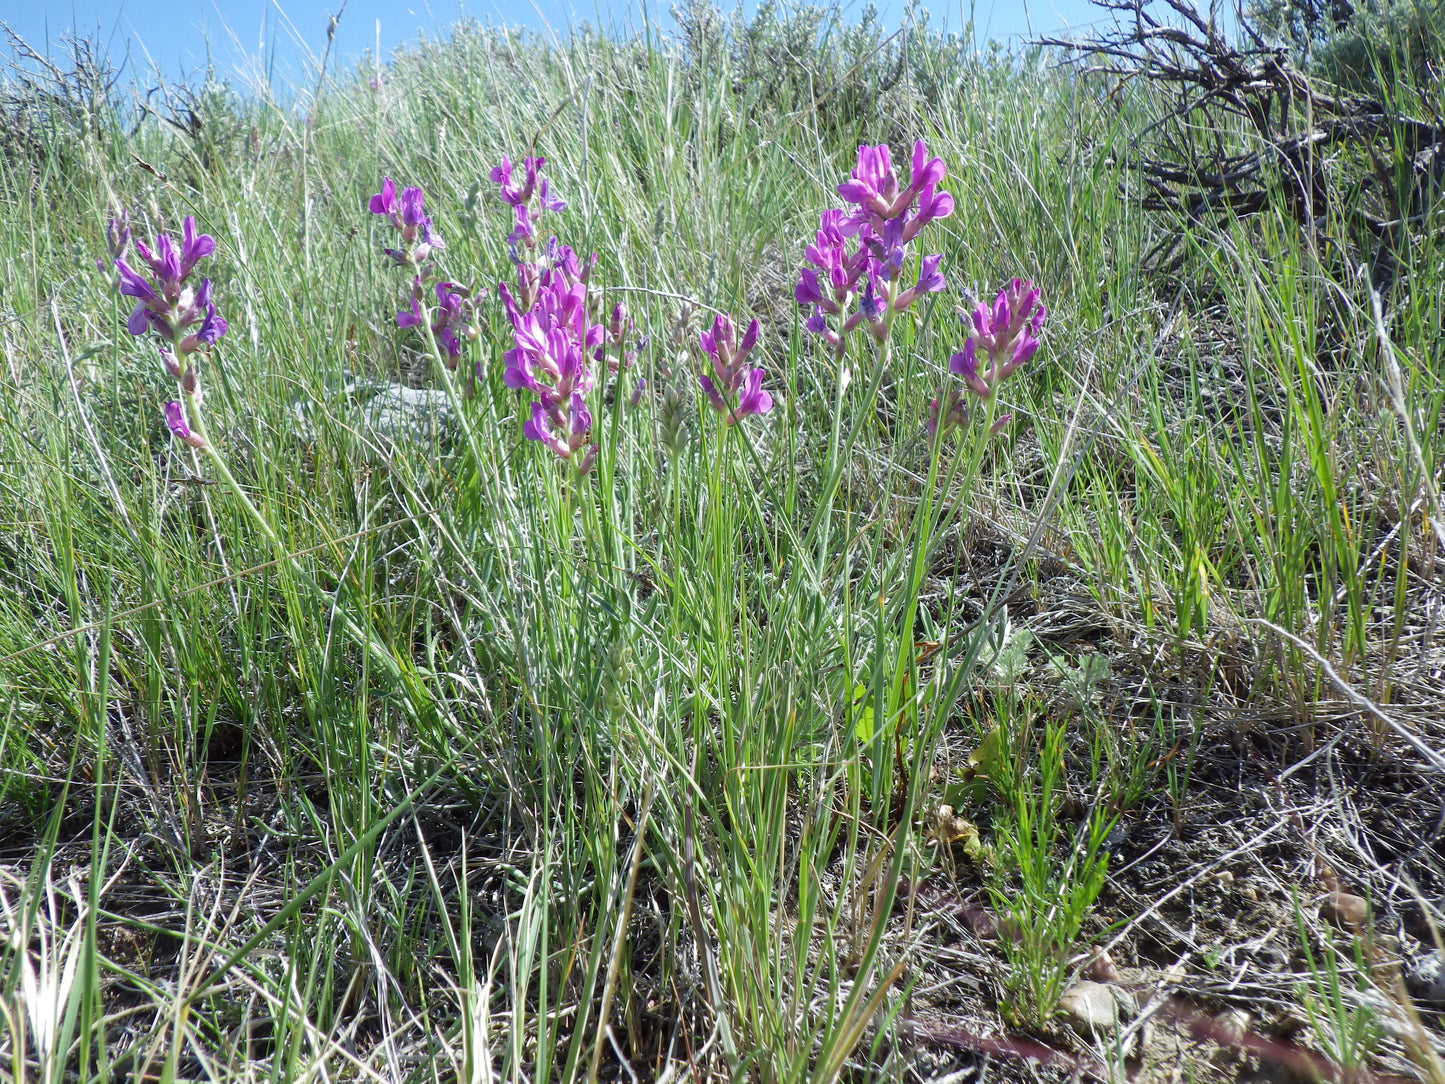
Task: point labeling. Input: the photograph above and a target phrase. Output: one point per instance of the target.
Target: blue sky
(277, 36)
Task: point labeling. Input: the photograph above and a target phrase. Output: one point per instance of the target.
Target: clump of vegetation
(760, 554)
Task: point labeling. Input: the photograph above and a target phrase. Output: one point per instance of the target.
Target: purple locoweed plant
(453, 320)
(1005, 336)
(555, 341)
(859, 253)
(734, 390)
(530, 201)
(407, 216)
(181, 316)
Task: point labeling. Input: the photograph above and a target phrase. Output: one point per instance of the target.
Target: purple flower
(407, 215)
(885, 218)
(410, 317)
(523, 232)
(721, 345)
(926, 171)
(165, 304)
(869, 304)
(930, 281)
(550, 202)
(731, 376)
(384, 202)
(213, 326)
(564, 430)
(176, 422)
(808, 291)
(752, 399)
(511, 194)
(412, 213)
(521, 198)
(1007, 331)
(964, 364)
(873, 184)
(194, 247)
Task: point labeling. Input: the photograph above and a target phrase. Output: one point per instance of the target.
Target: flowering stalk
(185, 321)
(453, 322)
(530, 200)
(734, 390)
(555, 340)
(408, 217)
(1007, 334)
(883, 220)
(182, 317)
(454, 319)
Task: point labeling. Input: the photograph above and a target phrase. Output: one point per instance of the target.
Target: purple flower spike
(884, 219)
(731, 376)
(176, 422)
(521, 197)
(411, 207)
(410, 317)
(407, 215)
(1007, 331)
(183, 316)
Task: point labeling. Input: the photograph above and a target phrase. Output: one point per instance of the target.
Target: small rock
(1232, 1026)
(1103, 969)
(1093, 1006)
(391, 411)
(1425, 979)
(1347, 911)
